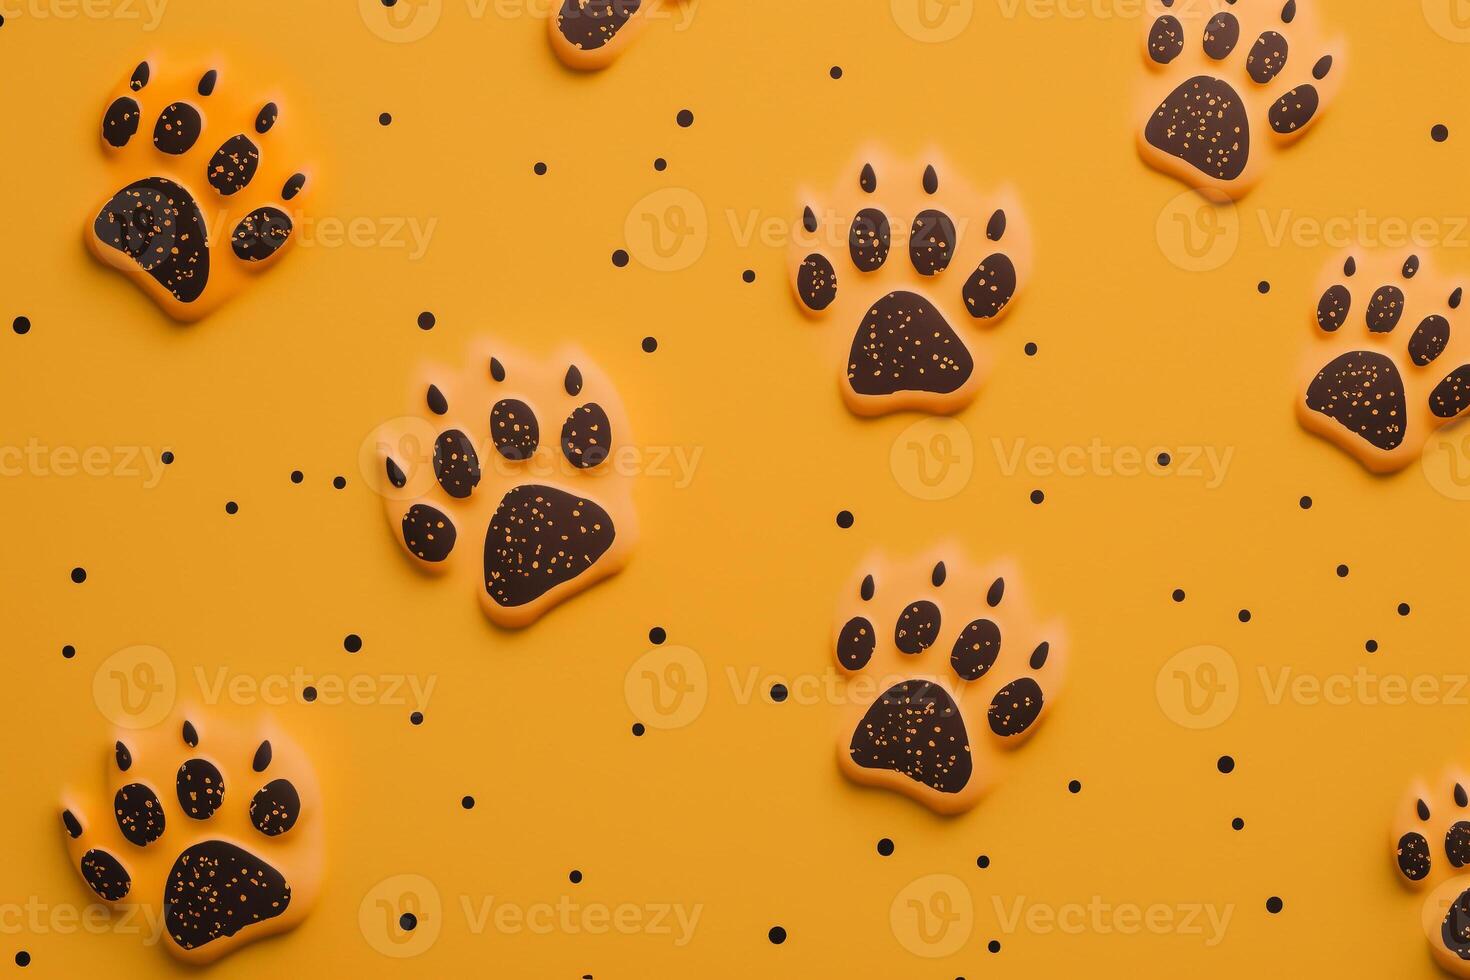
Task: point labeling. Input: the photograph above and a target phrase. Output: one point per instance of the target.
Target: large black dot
(352, 643)
(408, 922)
(1225, 764)
(657, 635)
(844, 519)
(385, 119)
(620, 258)
(777, 935)
(885, 847)
(650, 344)
(685, 118)
(426, 320)
(21, 325)
(1439, 133)
(1273, 905)
(79, 575)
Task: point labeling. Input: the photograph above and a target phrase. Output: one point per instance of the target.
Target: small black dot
(1225, 764)
(79, 575)
(1403, 609)
(1371, 646)
(1037, 496)
(426, 320)
(885, 847)
(468, 802)
(638, 729)
(1439, 133)
(778, 693)
(650, 344)
(68, 651)
(1273, 905)
(417, 718)
(22, 325)
(1342, 571)
(835, 72)
(575, 877)
(660, 164)
(167, 457)
(540, 168)
(748, 275)
(844, 519)
(232, 508)
(1237, 824)
(1165, 459)
(1263, 287)
(385, 119)
(1074, 787)
(297, 476)
(993, 945)
(777, 935)
(685, 118)
(352, 643)
(1305, 503)
(1030, 349)
(620, 258)
(308, 694)
(983, 861)
(22, 958)
(339, 482)
(657, 635)
(407, 921)
(1178, 595)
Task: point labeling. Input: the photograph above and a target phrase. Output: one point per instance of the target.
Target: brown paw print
(1397, 365)
(1231, 85)
(1431, 847)
(181, 194)
(941, 733)
(225, 846)
(960, 259)
(591, 34)
(526, 450)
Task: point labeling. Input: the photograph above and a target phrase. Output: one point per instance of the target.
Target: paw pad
(591, 34)
(182, 194)
(923, 254)
(965, 674)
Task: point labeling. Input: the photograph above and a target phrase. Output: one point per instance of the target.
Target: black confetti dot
(68, 651)
(638, 729)
(660, 164)
(844, 519)
(22, 958)
(417, 718)
(620, 258)
(468, 802)
(385, 119)
(835, 72)
(1165, 459)
(777, 935)
(167, 457)
(21, 325)
(575, 877)
(1074, 787)
(1225, 764)
(426, 320)
(778, 693)
(1237, 824)
(308, 694)
(339, 482)
(650, 344)
(1030, 349)
(685, 118)
(408, 922)
(297, 476)
(1305, 503)
(1273, 905)
(885, 847)
(79, 575)
(1403, 609)
(1263, 287)
(1371, 646)
(1244, 615)
(748, 275)
(1439, 133)
(232, 508)
(657, 635)
(1178, 595)
(993, 945)
(1342, 571)
(1037, 496)
(540, 169)
(352, 643)
(983, 861)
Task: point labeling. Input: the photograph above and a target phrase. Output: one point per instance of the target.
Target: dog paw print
(1239, 84)
(215, 833)
(591, 34)
(185, 191)
(1431, 848)
(1396, 365)
(961, 670)
(960, 259)
(525, 453)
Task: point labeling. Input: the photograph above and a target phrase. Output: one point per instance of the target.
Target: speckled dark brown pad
(1362, 390)
(428, 532)
(1451, 396)
(105, 875)
(216, 889)
(586, 436)
(1203, 122)
(1413, 856)
(200, 788)
(539, 538)
(139, 814)
(275, 807)
(589, 24)
(1015, 707)
(905, 344)
(157, 224)
(233, 164)
(915, 729)
(1455, 932)
(856, 643)
(260, 234)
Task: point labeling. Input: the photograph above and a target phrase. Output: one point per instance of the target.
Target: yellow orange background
(1145, 342)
